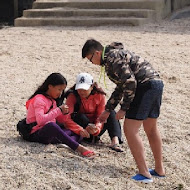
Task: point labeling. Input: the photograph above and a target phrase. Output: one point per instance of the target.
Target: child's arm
(99, 110)
(41, 106)
(69, 123)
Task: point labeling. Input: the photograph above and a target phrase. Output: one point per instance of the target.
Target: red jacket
(92, 107)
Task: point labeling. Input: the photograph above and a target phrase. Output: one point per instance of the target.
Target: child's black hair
(95, 90)
(53, 79)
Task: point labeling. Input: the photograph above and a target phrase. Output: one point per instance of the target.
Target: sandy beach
(29, 55)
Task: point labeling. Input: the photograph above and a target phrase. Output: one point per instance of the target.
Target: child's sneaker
(142, 178)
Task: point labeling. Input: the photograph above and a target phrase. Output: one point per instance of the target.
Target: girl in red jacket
(86, 102)
(42, 109)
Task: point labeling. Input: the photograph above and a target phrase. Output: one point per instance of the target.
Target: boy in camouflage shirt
(139, 91)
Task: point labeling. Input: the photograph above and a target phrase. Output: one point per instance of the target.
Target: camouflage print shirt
(126, 70)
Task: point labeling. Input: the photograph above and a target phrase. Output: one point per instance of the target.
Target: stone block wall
(179, 4)
(11, 9)
(23, 5)
(7, 12)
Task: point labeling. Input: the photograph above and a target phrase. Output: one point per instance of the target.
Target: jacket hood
(115, 45)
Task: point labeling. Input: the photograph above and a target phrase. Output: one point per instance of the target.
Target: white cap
(83, 81)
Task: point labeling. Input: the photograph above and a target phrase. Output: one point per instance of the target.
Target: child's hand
(84, 133)
(64, 108)
(92, 128)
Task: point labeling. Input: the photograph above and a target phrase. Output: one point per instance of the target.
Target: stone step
(99, 4)
(80, 21)
(91, 12)
(67, 12)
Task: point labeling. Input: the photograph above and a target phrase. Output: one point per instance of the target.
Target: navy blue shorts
(147, 101)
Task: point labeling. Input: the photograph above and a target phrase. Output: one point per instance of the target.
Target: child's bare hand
(92, 128)
(84, 133)
(64, 108)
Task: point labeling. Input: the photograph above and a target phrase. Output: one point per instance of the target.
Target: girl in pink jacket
(42, 109)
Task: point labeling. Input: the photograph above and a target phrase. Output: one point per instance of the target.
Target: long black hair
(53, 79)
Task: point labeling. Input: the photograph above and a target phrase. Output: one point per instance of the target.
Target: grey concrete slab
(183, 13)
(82, 21)
(67, 12)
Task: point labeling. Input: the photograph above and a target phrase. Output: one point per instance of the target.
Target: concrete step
(99, 4)
(91, 12)
(80, 21)
(67, 12)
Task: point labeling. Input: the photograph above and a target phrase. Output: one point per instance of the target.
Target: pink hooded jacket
(37, 109)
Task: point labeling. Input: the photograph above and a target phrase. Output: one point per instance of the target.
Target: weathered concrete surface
(182, 13)
(98, 12)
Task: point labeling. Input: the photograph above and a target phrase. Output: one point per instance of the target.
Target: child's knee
(52, 126)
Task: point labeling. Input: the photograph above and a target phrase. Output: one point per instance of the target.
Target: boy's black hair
(90, 47)
(53, 79)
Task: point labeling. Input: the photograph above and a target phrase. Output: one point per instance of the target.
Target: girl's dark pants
(112, 126)
(54, 134)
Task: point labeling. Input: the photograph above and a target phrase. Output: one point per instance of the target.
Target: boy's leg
(131, 129)
(153, 134)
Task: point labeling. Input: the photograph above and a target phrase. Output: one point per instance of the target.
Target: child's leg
(153, 134)
(114, 129)
(82, 120)
(52, 133)
(74, 136)
(131, 129)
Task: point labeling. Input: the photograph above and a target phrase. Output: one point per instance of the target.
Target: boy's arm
(126, 82)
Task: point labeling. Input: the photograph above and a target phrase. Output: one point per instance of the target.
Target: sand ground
(29, 55)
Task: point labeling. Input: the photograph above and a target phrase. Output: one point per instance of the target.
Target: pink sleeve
(62, 118)
(40, 107)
